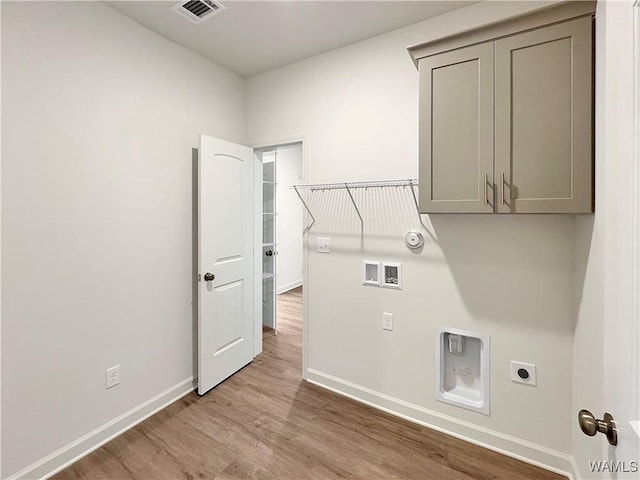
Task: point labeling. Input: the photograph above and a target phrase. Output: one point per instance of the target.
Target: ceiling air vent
(198, 11)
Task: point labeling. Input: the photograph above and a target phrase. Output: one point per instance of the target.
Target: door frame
(275, 142)
(635, 212)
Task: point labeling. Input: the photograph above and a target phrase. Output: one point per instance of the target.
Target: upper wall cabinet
(506, 116)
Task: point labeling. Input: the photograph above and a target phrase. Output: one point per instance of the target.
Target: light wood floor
(266, 423)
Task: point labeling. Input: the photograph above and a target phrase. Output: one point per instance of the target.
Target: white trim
(305, 264)
(0, 257)
(635, 212)
(574, 473)
(257, 254)
(65, 456)
(514, 447)
(289, 286)
(279, 142)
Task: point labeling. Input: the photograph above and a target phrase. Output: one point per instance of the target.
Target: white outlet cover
(112, 377)
(523, 373)
(324, 245)
(387, 321)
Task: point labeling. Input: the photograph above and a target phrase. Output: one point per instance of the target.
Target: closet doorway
(282, 226)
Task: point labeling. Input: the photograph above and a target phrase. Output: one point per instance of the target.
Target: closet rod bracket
(415, 202)
(346, 186)
(295, 187)
(349, 186)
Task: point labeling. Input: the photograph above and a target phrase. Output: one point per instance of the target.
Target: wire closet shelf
(412, 183)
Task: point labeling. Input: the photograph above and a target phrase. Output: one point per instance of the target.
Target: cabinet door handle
(502, 196)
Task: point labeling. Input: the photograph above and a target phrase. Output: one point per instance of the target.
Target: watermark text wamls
(617, 466)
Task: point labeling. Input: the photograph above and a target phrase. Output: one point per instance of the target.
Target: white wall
(511, 277)
(100, 116)
(289, 220)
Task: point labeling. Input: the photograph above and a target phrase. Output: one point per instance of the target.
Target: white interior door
(616, 392)
(225, 260)
(621, 383)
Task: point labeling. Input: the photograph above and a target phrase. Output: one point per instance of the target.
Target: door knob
(590, 425)
(209, 277)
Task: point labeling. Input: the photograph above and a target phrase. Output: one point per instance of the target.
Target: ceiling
(251, 37)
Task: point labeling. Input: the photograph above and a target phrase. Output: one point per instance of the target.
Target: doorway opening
(282, 227)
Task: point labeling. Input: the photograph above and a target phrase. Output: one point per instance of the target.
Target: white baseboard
(514, 447)
(289, 286)
(574, 474)
(53, 463)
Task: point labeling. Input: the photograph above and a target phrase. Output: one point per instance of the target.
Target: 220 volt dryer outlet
(523, 373)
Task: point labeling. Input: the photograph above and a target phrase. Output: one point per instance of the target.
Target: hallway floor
(265, 422)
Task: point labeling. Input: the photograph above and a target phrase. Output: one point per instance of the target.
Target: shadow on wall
(583, 262)
(516, 270)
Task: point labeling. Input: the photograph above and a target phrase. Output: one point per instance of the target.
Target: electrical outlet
(387, 321)
(323, 245)
(113, 376)
(523, 373)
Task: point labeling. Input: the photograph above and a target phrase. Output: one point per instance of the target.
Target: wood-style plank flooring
(265, 422)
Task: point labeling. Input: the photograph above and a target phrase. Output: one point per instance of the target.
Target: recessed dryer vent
(462, 369)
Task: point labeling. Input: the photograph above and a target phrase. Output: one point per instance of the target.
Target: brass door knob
(209, 277)
(590, 425)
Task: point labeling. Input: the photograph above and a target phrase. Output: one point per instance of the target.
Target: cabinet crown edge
(562, 12)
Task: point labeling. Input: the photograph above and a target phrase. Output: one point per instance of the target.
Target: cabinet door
(456, 131)
(543, 120)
